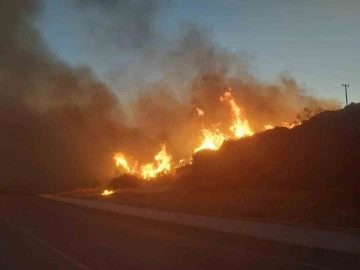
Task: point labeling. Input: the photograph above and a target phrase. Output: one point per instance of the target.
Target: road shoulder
(329, 240)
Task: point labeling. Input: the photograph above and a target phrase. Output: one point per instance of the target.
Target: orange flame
(121, 162)
(240, 127)
(163, 159)
(212, 139)
(182, 162)
(288, 125)
(107, 192)
(268, 126)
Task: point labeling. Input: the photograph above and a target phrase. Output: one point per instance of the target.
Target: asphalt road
(36, 233)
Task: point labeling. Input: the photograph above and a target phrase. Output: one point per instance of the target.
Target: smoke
(124, 24)
(195, 72)
(61, 124)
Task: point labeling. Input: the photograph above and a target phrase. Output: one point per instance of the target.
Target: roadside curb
(336, 241)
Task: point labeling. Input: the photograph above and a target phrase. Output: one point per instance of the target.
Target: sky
(315, 41)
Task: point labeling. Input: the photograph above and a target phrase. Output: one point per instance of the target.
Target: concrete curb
(329, 240)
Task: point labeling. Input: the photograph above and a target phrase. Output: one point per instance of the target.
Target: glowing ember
(182, 162)
(107, 192)
(240, 127)
(200, 111)
(163, 159)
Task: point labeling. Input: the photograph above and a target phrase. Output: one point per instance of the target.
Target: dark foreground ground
(40, 234)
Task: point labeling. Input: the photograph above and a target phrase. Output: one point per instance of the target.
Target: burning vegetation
(211, 138)
(107, 192)
(305, 174)
(63, 123)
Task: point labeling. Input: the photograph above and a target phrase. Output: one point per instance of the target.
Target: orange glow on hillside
(210, 139)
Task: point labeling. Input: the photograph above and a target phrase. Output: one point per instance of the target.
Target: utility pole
(346, 86)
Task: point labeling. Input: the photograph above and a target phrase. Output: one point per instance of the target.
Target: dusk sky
(315, 41)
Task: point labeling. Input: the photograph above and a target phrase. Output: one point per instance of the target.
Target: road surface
(36, 233)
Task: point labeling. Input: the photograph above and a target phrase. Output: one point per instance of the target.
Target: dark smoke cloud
(195, 72)
(61, 125)
(121, 35)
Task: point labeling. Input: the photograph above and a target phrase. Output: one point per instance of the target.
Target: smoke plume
(60, 125)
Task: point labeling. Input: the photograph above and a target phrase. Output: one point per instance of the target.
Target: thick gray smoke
(61, 125)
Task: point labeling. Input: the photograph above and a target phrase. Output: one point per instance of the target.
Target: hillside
(322, 153)
(307, 175)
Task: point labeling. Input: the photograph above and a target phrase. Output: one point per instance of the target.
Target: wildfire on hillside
(211, 138)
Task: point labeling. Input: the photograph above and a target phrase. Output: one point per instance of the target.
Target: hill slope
(323, 152)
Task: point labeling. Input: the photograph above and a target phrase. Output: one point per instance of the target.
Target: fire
(268, 126)
(288, 125)
(200, 111)
(163, 160)
(212, 139)
(107, 192)
(147, 171)
(240, 126)
(121, 161)
(182, 162)
(283, 124)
